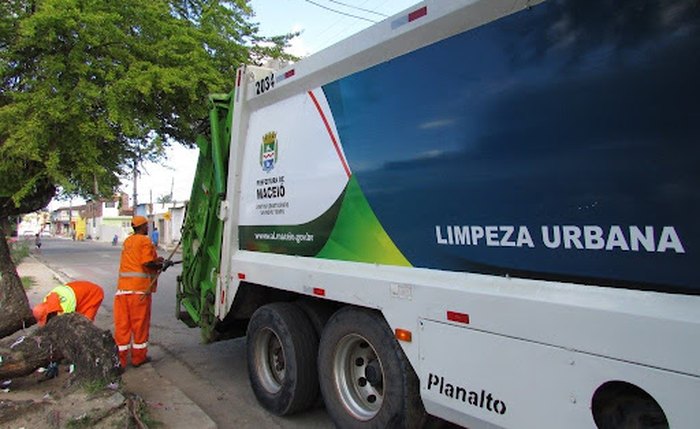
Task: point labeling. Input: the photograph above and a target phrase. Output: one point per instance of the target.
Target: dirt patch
(34, 401)
(14, 411)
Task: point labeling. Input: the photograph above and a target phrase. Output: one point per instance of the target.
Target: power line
(334, 25)
(358, 8)
(350, 28)
(340, 12)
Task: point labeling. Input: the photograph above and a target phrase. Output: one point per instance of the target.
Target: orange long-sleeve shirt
(133, 276)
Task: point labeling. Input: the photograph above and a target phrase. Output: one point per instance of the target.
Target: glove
(51, 370)
(167, 264)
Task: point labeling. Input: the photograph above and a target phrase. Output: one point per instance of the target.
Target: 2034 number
(264, 85)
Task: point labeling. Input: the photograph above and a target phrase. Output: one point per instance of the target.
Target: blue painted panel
(568, 114)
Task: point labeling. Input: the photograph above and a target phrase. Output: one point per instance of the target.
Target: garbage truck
(480, 211)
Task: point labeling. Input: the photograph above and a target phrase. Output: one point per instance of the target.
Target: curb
(60, 276)
(170, 406)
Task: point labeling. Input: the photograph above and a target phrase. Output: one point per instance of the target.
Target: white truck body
(524, 346)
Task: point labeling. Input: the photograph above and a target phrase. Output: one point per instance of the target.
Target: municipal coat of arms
(268, 151)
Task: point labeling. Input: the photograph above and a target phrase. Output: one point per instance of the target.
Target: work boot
(136, 365)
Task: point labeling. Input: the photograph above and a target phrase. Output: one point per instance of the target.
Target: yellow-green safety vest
(67, 298)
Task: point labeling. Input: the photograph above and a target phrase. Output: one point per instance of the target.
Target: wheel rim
(359, 376)
(270, 360)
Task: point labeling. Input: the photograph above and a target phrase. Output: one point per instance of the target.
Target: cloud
(298, 46)
(176, 172)
(440, 123)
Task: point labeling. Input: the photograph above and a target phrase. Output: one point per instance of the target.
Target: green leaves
(87, 86)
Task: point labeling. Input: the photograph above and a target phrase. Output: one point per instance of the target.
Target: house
(168, 217)
(104, 219)
(63, 220)
(107, 218)
(31, 224)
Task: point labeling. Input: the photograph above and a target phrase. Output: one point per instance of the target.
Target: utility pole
(70, 217)
(136, 175)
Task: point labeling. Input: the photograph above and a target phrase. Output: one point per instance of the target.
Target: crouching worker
(78, 296)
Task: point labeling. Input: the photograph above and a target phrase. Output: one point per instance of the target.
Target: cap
(137, 221)
(51, 304)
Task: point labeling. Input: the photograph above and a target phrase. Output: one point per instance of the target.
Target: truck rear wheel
(621, 405)
(282, 348)
(365, 378)
(318, 313)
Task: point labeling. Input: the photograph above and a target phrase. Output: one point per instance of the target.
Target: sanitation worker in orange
(78, 296)
(138, 273)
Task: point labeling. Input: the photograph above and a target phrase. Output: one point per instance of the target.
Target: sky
(319, 27)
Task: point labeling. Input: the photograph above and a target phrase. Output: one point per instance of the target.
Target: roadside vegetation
(28, 282)
(19, 250)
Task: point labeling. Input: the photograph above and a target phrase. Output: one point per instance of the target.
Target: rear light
(286, 75)
(412, 16)
(403, 335)
(454, 316)
(418, 14)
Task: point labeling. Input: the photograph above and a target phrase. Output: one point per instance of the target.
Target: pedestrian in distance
(78, 296)
(37, 241)
(155, 236)
(115, 240)
(139, 268)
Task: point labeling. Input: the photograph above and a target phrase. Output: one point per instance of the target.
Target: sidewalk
(167, 403)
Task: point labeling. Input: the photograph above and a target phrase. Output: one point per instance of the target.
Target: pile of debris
(64, 375)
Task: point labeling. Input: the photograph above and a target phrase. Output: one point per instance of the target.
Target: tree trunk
(26, 356)
(70, 336)
(14, 305)
(91, 349)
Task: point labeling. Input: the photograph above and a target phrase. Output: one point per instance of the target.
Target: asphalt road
(214, 376)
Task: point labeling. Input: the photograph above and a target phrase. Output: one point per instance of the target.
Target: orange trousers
(132, 321)
(88, 297)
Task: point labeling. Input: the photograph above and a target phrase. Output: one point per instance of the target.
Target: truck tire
(621, 405)
(282, 348)
(365, 378)
(631, 413)
(317, 312)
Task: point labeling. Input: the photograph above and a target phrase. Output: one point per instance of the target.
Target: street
(214, 376)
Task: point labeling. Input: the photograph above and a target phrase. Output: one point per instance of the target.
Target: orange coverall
(88, 298)
(132, 310)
